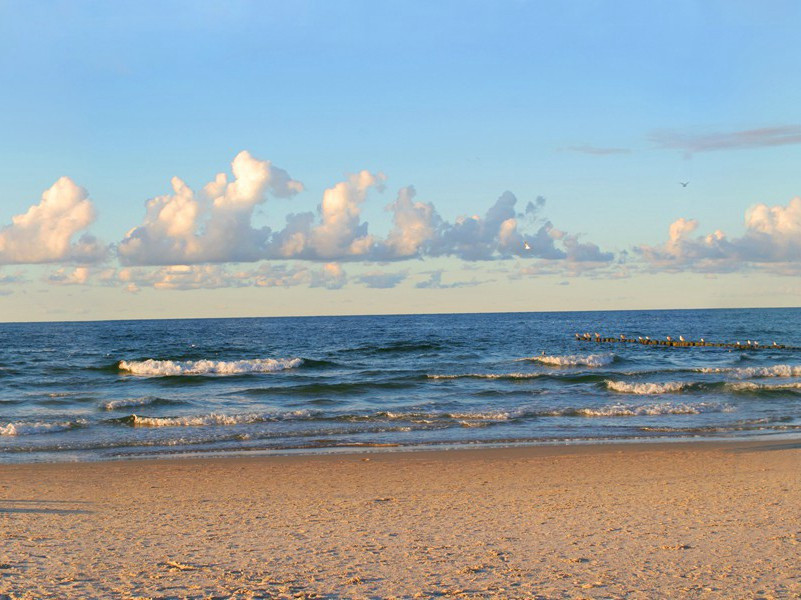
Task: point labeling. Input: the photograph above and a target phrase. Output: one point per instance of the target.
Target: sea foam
(487, 376)
(749, 372)
(211, 419)
(574, 360)
(627, 410)
(646, 389)
(27, 428)
(207, 367)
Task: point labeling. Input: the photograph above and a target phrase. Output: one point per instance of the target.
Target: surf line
(681, 342)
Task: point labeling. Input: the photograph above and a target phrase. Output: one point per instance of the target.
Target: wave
(210, 419)
(642, 410)
(32, 428)
(487, 376)
(750, 386)
(574, 360)
(147, 401)
(211, 367)
(749, 372)
(647, 389)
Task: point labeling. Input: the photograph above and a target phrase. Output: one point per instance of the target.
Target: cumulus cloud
(415, 225)
(340, 233)
(733, 140)
(47, 232)
(214, 225)
(77, 276)
(772, 238)
(189, 228)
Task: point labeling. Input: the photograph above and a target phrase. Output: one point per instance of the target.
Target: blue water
(124, 389)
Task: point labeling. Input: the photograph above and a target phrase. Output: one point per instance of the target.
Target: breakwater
(681, 342)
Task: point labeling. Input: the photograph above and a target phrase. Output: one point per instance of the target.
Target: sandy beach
(714, 520)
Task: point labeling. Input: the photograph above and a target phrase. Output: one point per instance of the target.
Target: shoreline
(693, 519)
(359, 450)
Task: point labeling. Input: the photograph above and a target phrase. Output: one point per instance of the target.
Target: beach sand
(704, 520)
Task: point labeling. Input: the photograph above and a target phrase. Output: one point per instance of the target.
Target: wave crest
(487, 376)
(646, 389)
(643, 410)
(28, 428)
(207, 367)
(749, 372)
(210, 419)
(574, 360)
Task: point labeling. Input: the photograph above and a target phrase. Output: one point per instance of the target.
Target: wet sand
(704, 520)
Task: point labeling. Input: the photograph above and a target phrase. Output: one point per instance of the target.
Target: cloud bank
(206, 238)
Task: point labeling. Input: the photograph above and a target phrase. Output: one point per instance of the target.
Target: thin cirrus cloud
(47, 232)
(772, 241)
(734, 140)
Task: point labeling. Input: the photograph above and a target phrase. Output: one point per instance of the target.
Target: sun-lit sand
(636, 521)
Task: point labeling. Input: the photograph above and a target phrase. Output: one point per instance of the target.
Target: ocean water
(133, 389)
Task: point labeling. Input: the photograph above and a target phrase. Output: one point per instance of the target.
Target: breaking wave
(207, 367)
(574, 360)
(749, 372)
(750, 386)
(487, 376)
(627, 410)
(130, 402)
(28, 428)
(647, 389)
(209, 419)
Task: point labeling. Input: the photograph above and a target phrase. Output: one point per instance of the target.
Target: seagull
(526, 246)
(684, 183)
(681, 338)
(670, 339)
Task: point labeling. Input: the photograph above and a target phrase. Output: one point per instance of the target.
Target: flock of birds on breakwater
(681, 342)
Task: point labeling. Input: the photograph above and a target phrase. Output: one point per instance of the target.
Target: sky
(256, 158)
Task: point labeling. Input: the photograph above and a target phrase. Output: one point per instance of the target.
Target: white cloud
(76, 276)
(46, 232)
(415, 225)
(772, 239)
(212, 226)
(339, 234)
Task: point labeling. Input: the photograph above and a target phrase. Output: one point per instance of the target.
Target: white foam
(646, 389)
(203, 367)
(627, 410)
(115, 404)
(749, 386)
(488, 376)
(23, 428)
(211, 419)
(574, 360)
(749, 372)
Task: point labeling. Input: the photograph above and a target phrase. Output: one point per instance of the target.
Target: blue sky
(600, 108)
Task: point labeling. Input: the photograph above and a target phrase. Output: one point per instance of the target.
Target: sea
(87, 391)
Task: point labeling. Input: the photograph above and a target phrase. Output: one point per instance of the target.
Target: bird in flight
(526, 246)
(684, 183)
